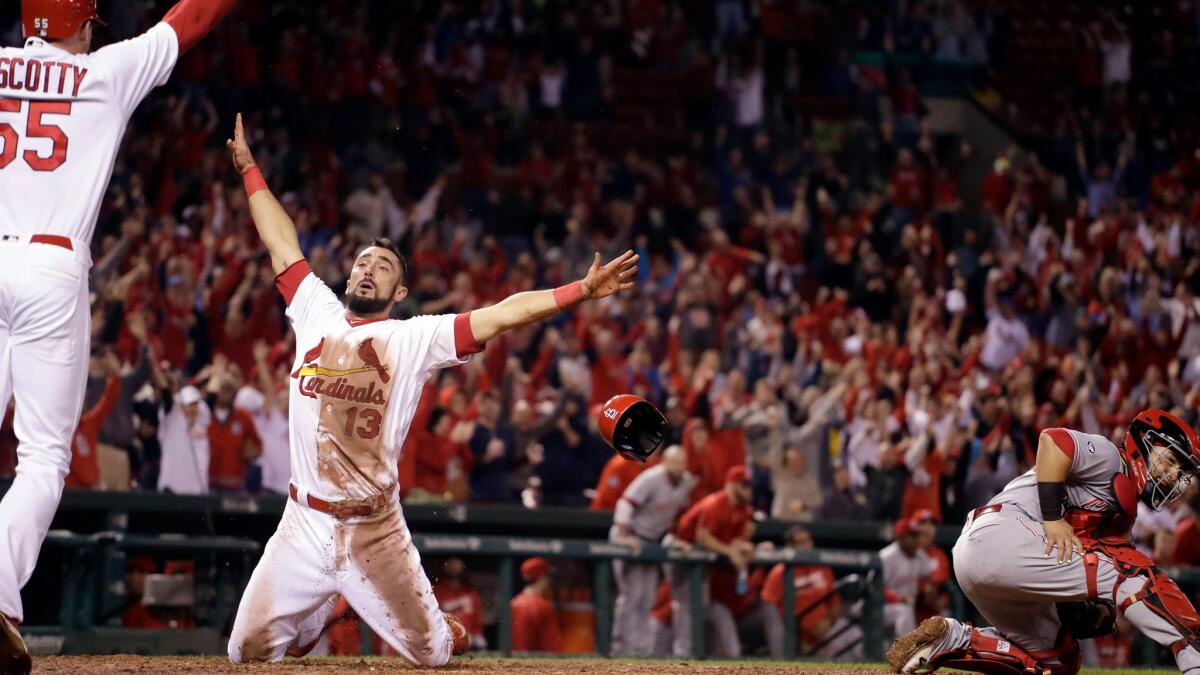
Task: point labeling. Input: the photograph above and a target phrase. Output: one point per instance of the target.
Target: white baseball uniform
(902, 575)
(185, 451)
(62, 117)
(276, 468)
(354, 391)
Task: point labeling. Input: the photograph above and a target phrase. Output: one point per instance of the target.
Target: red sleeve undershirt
(193, 19)
(464, 339)
(288, 281)
(1064, 440)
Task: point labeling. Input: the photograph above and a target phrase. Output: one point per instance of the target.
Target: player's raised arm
(193, 19)
(521, 309)
(274, 226)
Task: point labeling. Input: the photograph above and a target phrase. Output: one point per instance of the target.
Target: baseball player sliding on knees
(1049, 560)
(355, 386)
(63, 111)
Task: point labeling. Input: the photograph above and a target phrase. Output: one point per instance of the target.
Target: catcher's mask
(632, 426)
(1164, 451)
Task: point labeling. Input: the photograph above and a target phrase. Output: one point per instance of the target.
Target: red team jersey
(814, 604)
(534, 624)
(463, 602)
(228, 437)
(716, 514)
(85, 466)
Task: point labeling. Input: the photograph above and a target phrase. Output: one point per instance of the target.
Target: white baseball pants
(371, 561)
(45, 338)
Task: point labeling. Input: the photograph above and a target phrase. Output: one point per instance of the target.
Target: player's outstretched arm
(521, 309)
(274, 226)
(193, 19)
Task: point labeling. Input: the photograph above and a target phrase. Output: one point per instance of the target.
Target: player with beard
(355, 386)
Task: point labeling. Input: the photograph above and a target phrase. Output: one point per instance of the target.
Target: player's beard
(365, 306)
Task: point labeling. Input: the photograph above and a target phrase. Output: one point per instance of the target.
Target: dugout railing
(91, 564)
(600, 555)
(140, 517)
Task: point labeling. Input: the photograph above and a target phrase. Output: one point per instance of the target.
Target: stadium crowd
(816, 302)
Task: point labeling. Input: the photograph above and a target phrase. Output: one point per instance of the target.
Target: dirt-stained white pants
(45, 337)
(370, 561)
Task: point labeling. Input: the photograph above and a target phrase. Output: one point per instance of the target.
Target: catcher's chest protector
(1113, 519)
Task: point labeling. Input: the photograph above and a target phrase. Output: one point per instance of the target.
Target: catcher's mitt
(1088, 619)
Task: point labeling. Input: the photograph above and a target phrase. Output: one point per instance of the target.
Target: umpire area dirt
(109, 665)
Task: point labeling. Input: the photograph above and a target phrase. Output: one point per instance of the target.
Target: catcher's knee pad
(998, 656)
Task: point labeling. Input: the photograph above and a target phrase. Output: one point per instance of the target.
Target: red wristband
(254, 181)
(568, 296)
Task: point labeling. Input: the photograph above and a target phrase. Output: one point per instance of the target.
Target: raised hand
(617, 275)
(243, 159)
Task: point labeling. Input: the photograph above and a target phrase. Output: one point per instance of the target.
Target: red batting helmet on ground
(632, 426)
(57, 19)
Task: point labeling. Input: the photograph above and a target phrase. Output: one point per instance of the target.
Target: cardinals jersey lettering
(62, 117)
(1094, 462)
(354, 390)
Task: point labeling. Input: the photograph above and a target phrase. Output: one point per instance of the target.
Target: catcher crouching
(1049, 561)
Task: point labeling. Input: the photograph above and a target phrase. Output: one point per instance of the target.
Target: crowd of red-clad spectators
(816, 301)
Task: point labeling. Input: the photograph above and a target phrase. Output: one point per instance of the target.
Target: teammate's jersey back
(62, 117)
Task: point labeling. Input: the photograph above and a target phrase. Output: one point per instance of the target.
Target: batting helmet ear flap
(632, 426)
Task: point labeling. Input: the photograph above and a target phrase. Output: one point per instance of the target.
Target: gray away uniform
(648, 507)
(1000, 563)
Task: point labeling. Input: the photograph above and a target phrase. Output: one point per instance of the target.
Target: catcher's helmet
(57, 19)
(1160, 429)
(632, 426)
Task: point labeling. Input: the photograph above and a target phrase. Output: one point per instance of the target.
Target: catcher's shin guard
(1162, 596)
(998, 656)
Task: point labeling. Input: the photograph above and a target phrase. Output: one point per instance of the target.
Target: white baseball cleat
(911, 653)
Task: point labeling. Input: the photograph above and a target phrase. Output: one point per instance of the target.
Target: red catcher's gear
(1113, 520)
(1159, 428)
(999, 656)
(57, 19)
(632, 426)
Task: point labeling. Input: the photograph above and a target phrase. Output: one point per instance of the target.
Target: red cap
(903, 527)
(737, 474)
(534, 569)
(924, 516)
(57, 19)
